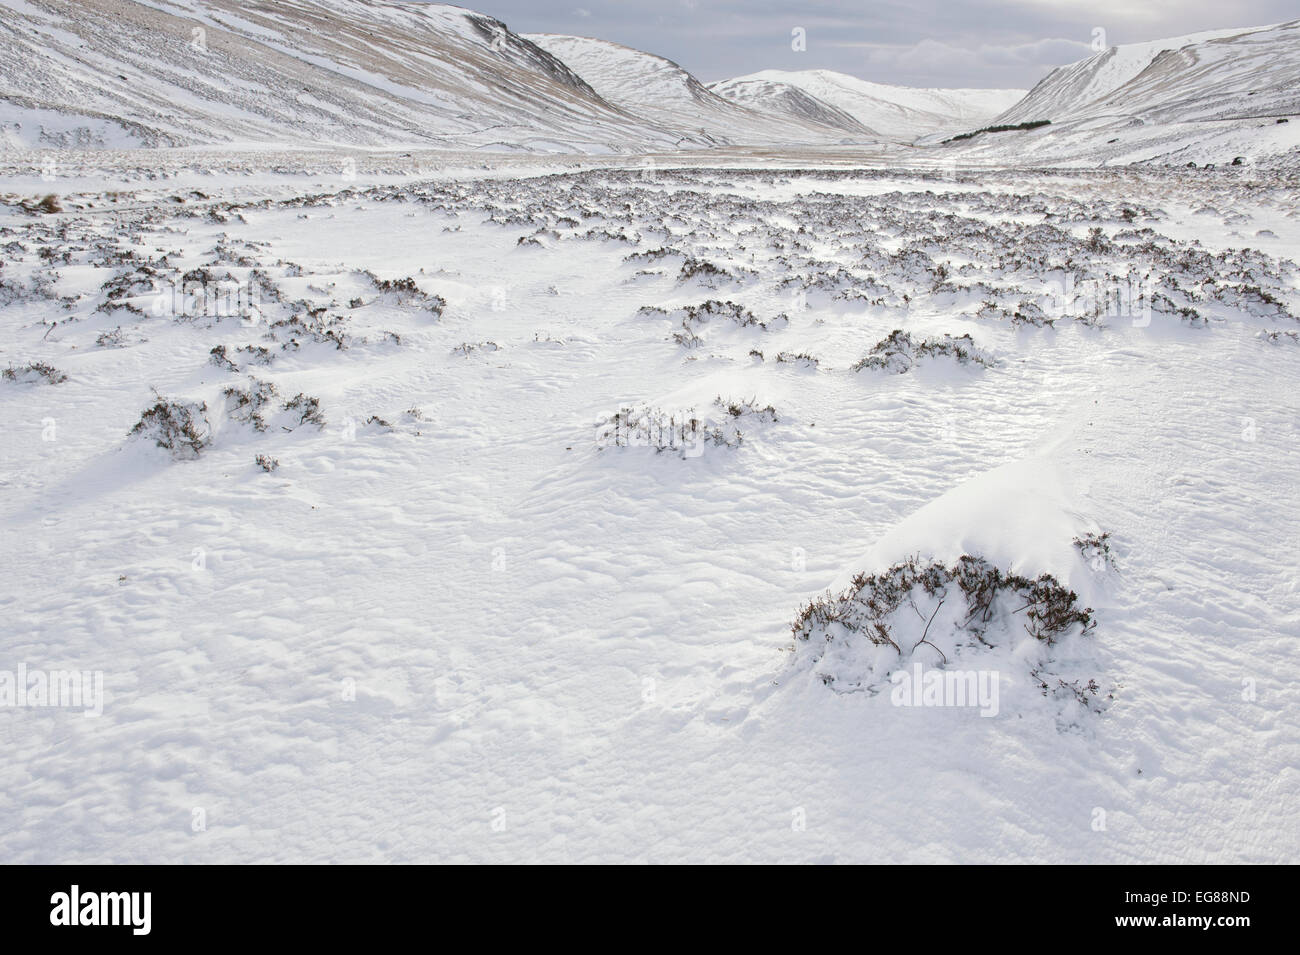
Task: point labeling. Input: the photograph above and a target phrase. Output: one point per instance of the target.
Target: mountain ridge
(388, 73)
(660, 90)
(899, 113)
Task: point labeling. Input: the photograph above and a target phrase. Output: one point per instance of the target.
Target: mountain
(1206, 97)
(657, 89)
(897, 113)
(183, 72)
(116, 73)
(1199, 76)
(385, 73)
(785, 98)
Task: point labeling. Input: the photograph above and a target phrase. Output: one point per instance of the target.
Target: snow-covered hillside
(659, 90)
(102, 73)
(107, 73)
(1208, 97)
(390, 74)
(793, 102)
(897, 113)
(1212, 75)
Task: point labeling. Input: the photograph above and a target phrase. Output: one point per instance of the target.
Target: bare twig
(925, 633)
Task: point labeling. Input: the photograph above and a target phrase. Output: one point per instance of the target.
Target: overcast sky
(952, 43)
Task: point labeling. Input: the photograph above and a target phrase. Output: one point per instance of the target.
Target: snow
(467, 632)
(1017, 516)
(341, 73)
(321, 72)
(442, 442)
(1199, 98)
(1089, 81)
(26, 128)
(900, 113)
(660, 90)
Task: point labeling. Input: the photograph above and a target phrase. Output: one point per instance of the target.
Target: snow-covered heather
(444, 563)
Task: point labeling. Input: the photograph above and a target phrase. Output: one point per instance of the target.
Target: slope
(899, 113)
(1138, 76)
(1201, 98)
(660, 91)
(104, 73)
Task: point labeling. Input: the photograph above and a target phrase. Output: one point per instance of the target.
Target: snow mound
(985, 600)
(1017, 517)
(899, 352)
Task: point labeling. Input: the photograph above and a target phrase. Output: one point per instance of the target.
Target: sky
(1009, 44)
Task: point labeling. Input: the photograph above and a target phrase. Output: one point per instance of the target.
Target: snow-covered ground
(472, 614)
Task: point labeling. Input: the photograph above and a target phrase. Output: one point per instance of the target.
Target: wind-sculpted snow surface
(463, 517)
